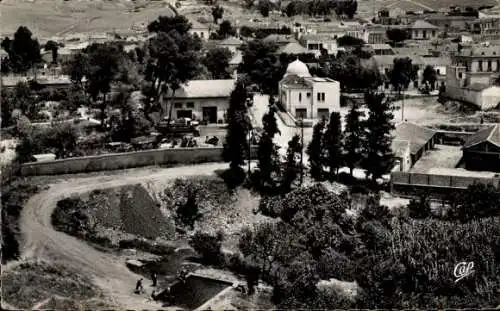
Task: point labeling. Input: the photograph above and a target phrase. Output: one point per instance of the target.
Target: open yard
(441, 156)
(46, 18)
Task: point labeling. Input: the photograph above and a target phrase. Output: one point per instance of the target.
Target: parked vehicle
(180, 127)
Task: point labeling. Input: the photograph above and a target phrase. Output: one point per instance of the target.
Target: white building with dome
(308, 97)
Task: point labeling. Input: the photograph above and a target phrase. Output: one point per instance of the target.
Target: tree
(353, 138)
(333, 144)
(23, 50)
(217, 13)
(188, 212)
(261, 66)
(429, 76)
(420, 208)
(378, 158)
(264, 7)
(478, 201)
(217, 62)
(397, 35)
(236, 144)
(315, 151)
(105, 67)
(268, 156)
(350, 8)
(173, 58)
(350, 41)
(402, 73)
(208, 246)
(53, 47)
(226, 30)
(292, 165)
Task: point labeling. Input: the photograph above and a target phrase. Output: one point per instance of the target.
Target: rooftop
(231, 41)
(279, 39)
(293, 48)
(399, 147)
(437, 61)
(380, 46)
(388, 60)
(490, 134)
(417, 135)
(205, 89)
(421, 24)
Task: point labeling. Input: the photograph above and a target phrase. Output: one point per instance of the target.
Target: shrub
(208, 246)
(187, 212)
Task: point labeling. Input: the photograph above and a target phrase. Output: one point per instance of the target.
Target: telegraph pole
(301, 151)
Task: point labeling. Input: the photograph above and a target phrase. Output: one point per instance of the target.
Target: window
(323, 97)
(318, 96)
(460, 75)
(489, 66)
(424, 34)
(201, 34)
(437, 71)
(190, 105)
(308, 95)
(433, 33)
(300, 97)
(177, 105)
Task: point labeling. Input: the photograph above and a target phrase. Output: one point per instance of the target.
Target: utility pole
(301, 151)
(249, 149)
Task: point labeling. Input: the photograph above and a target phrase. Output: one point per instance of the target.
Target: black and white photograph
(250, 154)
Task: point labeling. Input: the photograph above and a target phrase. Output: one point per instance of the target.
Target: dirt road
(41, 241)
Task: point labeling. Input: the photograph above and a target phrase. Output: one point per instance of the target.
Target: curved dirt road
(40, 240)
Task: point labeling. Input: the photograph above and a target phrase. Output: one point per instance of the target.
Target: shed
(481, 152)
(421, 138)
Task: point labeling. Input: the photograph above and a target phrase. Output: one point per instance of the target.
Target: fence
(406, 182)
(126, 160)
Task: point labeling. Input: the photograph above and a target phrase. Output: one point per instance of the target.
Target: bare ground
(106, 270)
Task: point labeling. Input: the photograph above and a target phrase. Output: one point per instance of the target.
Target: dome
(297, 68)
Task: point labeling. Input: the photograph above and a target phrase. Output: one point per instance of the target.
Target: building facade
(204, 100)
(481, 152)
(307, 97)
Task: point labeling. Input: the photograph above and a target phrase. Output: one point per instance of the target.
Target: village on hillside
(250, 154)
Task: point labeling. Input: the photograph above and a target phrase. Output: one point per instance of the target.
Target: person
(154, 278)
(138, 286)
(153, 295)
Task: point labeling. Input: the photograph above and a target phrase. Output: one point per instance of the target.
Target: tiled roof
(421, 24)
(491, 134)
(437, 61)
(293, 48)
(205, 89)
(417, 135)
(231, 41)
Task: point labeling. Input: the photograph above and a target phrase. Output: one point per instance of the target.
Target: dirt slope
(40, 240)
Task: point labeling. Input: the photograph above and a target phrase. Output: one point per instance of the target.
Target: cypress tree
(315, 151)
(353, 138)
(333, 144)
(292, 165)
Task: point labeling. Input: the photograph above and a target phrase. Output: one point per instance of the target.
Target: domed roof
(297, 68)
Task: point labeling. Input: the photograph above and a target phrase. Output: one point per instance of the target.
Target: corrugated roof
(293, 48)
(205, 89)
(421, 24)
(490, 133)
(417, 135)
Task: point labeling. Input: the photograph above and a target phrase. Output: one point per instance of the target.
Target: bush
(208, 246)
(187, 212)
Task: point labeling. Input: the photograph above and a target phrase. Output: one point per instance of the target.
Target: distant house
(439, 64)
(199, 29)
(481, 152)
(385, 63)
(279, 40)
(235, 61)
(315, 42)
(206, 100)
(232, 44)
(50, 82)
(381, 49)
(293, 48)
(421, 139)
(422, 30)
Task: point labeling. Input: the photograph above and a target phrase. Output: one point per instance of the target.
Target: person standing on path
(154, 277)
(138, 286)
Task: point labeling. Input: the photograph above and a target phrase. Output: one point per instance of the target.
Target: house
(235, 61)
(421, 139)
(279, 40)
(200, 30)
(232, 44)
(381, 49)
(439, 64)
(377, 35)
(315, 42)
(385, 63)
(486, 27)
(293, 48)
(471, 76)
(422, 30)
(206, 100)
(307, 97)
(402, 153)
(481, 152)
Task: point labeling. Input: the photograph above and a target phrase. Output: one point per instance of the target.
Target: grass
(46, 18)
(50, 279)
